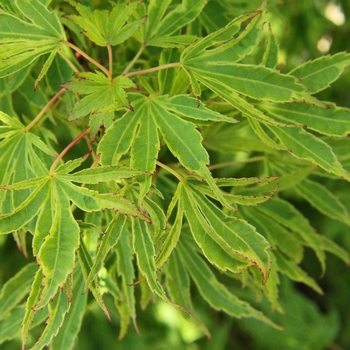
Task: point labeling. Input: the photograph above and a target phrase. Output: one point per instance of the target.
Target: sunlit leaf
(319, 74)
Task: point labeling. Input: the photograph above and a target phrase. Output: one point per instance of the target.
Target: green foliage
(198, 142)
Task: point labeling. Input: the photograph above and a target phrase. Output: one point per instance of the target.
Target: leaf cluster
(193, 140)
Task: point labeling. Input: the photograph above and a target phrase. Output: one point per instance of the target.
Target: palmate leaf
(103, 98)
(219, 69)
(103, 27)
(57, 233)
(20, 150)
(139, 130)
(24, 40)
(217, 64)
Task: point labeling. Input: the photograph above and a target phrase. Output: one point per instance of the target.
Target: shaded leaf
(214, 292)
(15, 289)
(295, 273)
(323, 200)
(284, 213)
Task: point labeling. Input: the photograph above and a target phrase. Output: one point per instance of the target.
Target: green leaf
(57, 311)
(178, 284)
(57, 254)
(332, 121)
(227, 242)
(102, 94)
(244, 181)
(222, 36)
(160, 27)
(145, 252)
(156, 11)
(102, 174)
(172, 234)
(257, 82)
(26, 211)
(10, 326)
(85, 261)
(295, 273)
(89, 200)
(109, 240)
(230, 51)
(15, 289)
(219, 138)
(23, 41)
(29, 309)
(330, 246)
(157, 216)
(250, 200)
(284, 213)
(323, 200)
(279, 237)
(304, 145)
(318, 74)
(140, 130)
(66, 337)
(125, 270)
(214, 292)
(188, 107)
(103, 27)
(270, 58)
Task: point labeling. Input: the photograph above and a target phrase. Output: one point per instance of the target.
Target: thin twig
(63, 153)
(170, 170)
(69, 62)
(151, 70)
(81, 52)
(132, 62)
(110, 59)
(44, 110)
